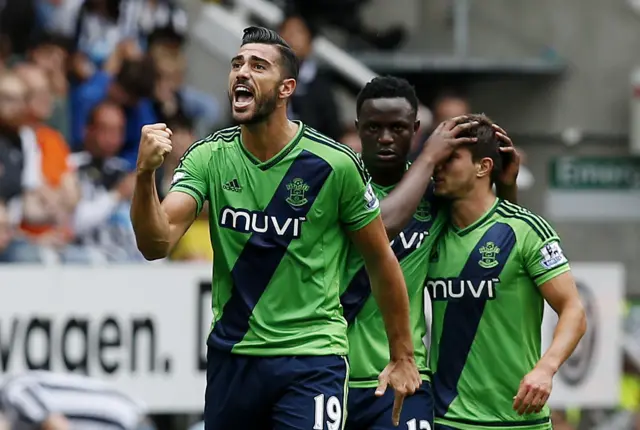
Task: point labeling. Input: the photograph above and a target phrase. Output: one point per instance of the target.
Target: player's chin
(440, 189)
(242, 117)
(389, 161)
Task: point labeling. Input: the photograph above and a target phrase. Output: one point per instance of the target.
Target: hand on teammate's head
(511, 158)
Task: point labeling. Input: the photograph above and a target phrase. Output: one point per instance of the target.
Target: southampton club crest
(297, 188)
(489, 252)
(423, 212)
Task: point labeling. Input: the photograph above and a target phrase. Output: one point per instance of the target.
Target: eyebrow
(252, 58)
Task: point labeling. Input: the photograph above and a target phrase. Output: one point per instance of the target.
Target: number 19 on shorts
(418, 425)
(333, 410)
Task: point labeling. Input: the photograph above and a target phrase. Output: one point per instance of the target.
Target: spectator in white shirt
(41, 400)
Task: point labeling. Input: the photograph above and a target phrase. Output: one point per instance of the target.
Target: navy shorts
(368, 412)
(274, 393)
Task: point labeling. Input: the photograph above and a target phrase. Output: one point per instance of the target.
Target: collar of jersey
(279, 156)
(468, 229)
(388, 188)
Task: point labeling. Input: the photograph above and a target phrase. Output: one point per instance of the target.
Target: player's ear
(484, 167)
(356, 124)
(416, 126)
(287, 88)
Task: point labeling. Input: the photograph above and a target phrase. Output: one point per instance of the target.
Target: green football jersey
(487, 315)
(279, 234)
(368, 343)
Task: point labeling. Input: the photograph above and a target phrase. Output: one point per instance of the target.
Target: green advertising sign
(595, 173)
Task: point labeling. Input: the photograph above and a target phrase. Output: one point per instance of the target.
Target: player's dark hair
(488, 144)
(288, 59)
(387, 87)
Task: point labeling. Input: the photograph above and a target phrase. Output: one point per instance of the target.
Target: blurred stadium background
(79, 77)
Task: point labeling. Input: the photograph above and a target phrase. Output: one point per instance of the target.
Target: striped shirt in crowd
(87, 403)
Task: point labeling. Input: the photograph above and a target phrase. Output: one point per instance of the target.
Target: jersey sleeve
(359, 204)
(543, 255)
(190, 177)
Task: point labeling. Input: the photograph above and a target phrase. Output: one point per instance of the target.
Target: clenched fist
(155, 144)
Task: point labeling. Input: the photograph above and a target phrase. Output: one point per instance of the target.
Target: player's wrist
(426, 160)
(548, 366)
(143, 173)
(402, 353)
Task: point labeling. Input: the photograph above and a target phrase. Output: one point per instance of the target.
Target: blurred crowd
(78, 79)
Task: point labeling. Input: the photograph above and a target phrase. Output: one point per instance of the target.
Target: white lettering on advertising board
(144, 329)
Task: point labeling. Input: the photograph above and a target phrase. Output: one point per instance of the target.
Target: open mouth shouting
(242, 97)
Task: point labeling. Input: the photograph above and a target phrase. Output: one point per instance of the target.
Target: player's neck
(466, 211)
(264, 140)
(386, 177)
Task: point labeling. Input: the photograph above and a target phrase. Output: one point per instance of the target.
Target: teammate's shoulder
(523, 220)
(337, 154)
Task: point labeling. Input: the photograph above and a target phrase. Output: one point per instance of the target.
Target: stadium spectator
(41, 400)
(6, 235)
(313, 102)
(51, 53)
(149, 16)
(101, 223)
(60, 189)
(17, 22)
(100, 27)
(130, 87)
(58, 16)
(20, 173)
(171, 96)
(345, 15)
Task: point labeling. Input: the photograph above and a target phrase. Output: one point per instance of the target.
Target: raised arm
(401, 204)
(158, 226)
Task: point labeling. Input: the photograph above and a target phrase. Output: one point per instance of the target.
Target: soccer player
(489, 276)
(386, 123)
(285, 202)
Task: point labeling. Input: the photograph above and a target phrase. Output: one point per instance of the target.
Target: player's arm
(401, 204)
(562, 295)
(159, 226)
(506, 185)
(546, 264)
(387, 285)
(360, 215)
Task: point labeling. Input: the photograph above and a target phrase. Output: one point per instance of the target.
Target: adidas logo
(232, 185)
